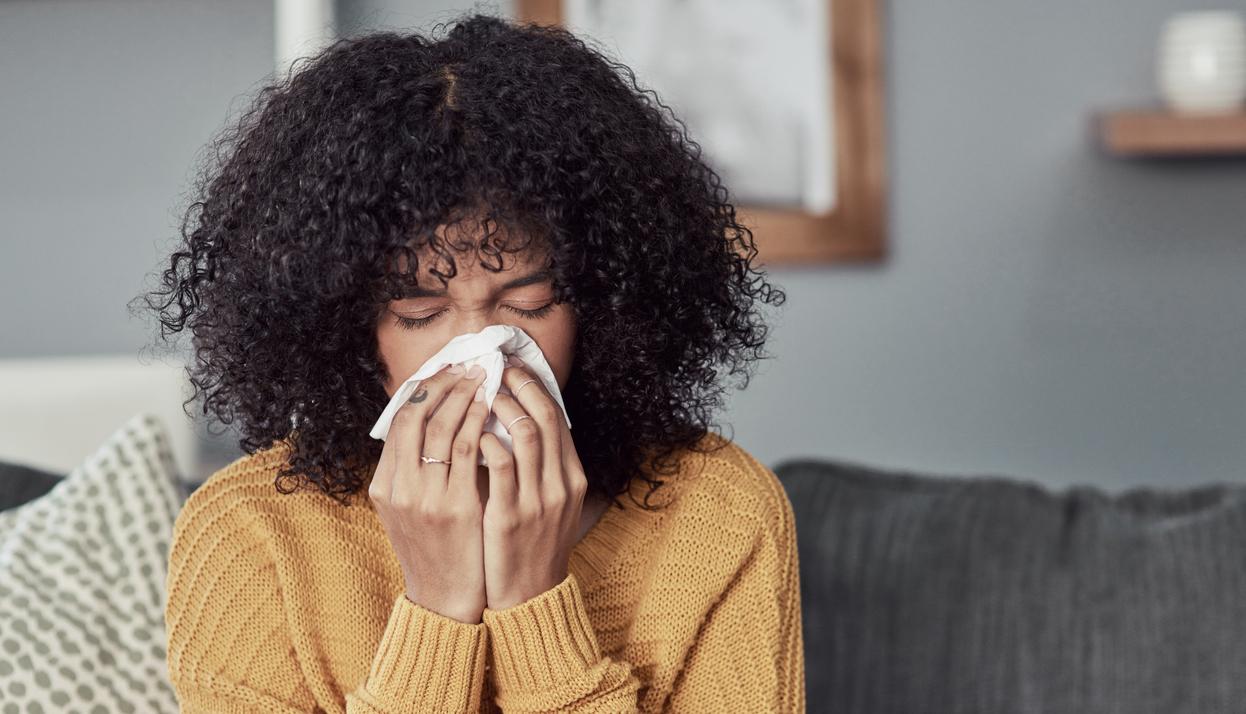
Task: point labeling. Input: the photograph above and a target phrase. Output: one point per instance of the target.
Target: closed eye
(413, 323)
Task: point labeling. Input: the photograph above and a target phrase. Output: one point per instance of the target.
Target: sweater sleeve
(747, 657)
(546, 657)
(229, 649)
(426, 662)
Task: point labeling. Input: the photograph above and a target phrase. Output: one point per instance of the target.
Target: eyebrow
(540, 276)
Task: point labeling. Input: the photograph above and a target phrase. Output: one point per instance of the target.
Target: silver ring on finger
(521, 386)
(525, 383)
(431, 460)
(525, 416)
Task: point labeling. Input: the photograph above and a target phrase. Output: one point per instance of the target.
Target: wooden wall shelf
(1160, 132)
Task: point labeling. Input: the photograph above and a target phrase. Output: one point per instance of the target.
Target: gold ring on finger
(521, 386)
(431, 460)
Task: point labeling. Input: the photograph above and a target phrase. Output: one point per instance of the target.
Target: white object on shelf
(1201, 65)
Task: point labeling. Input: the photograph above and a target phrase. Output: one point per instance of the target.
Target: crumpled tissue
(487, 348)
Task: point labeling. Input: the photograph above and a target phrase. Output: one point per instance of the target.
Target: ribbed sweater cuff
(543, 641)
(428, 662)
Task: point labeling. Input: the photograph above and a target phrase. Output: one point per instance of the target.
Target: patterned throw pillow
(82, 571)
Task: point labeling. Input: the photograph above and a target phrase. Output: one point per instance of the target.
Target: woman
(396, 192)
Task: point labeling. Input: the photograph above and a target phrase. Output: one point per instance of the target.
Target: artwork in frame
(784, 98)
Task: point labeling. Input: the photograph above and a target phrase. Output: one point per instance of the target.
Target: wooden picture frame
(855, 230)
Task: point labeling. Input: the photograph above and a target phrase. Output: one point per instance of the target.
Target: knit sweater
(296, 603)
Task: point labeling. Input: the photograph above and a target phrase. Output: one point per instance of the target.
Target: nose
(472, 321)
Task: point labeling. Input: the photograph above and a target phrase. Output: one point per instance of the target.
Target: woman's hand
(532, 514)
(432, 512)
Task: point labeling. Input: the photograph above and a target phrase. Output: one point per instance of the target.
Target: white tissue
(487, 348)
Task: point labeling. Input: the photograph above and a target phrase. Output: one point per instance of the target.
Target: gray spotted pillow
(82, 572)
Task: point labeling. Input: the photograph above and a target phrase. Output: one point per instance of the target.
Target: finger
(526, 442)
(465, 451)
(406, 431)
(573, 471)
(501, 463)
(536, 401)
(383, 476)
(445, 422)
(570, 457)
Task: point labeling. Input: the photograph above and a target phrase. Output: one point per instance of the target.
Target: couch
(921, 593)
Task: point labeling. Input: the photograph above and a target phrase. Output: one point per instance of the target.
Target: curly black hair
(337, 169)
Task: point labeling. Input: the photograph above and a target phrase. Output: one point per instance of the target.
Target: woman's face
(472, 300)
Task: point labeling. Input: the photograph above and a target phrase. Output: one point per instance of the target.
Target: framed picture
(784, 98)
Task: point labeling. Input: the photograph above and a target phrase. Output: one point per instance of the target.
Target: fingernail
(474, 371)
(514, 361)
(480, 393)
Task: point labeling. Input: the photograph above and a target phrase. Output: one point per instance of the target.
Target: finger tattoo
(420, 395)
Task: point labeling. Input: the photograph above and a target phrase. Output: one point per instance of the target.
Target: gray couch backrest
(988, 594)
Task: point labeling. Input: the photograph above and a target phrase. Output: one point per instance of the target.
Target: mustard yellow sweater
(295, 603)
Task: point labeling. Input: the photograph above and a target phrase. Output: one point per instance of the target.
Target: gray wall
(1047, 312)
(104, 105)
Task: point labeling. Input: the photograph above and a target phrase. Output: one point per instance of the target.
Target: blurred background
(1045, 309)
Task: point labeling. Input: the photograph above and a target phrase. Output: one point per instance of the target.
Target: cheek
(557, 343)
(401, 353)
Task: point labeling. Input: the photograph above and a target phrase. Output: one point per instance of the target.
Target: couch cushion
(82, 572)
(988, 594)
(19, 484)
